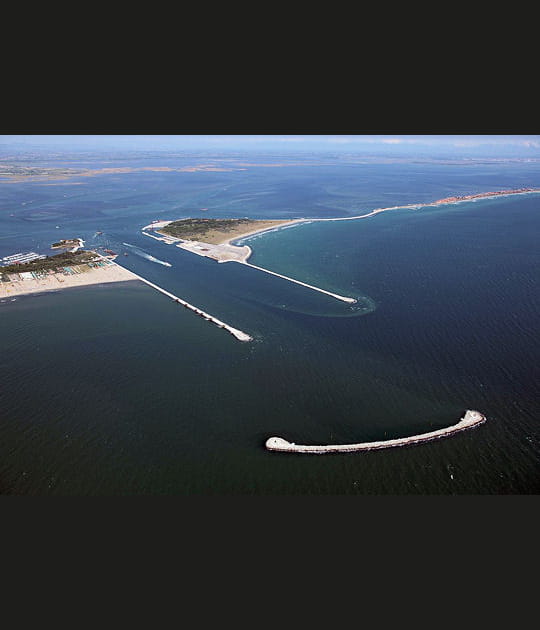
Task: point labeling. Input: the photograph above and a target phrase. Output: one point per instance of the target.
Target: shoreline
(107, 271)
(56, 281)
(118, 273)
(416, 206)
(439, 202)
(235, 332)
(230, 241)
(238, 237)
(226, 249)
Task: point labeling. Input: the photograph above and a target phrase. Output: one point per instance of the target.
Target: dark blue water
(114, 389)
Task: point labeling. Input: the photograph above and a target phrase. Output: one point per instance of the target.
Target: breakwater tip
(277, 444)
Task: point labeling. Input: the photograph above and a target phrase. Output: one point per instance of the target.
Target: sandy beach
(221, 237)
(53, 282)
(262, 228)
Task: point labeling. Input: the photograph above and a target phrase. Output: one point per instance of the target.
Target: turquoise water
(114, 389)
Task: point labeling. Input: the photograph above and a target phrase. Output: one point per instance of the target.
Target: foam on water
(139, 252)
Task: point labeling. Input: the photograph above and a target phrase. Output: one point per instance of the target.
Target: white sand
(53, 282)
(262, 229)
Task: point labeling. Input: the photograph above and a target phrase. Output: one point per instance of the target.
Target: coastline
(225, 248)
(54, 282)
(106, 271)
(238, 237)
(116, 273)
(228, 242)
(438, 202)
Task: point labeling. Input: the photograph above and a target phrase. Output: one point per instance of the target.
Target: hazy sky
(452, 145)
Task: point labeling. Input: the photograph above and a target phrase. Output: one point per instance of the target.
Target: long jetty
(309, 286)
(241, 336)
(470, 419)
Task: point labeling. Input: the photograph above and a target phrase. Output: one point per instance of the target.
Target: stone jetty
(343, 298)
(240, 335)
(470, 419)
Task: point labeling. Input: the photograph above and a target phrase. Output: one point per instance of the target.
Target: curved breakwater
(469, 420)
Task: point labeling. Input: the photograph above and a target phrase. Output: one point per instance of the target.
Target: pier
(241, 336)
(309, 286)
(470, 419)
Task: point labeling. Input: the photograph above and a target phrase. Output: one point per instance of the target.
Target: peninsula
(215, 238)
(496, 193)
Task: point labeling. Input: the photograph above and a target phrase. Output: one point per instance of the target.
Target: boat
(125, 254)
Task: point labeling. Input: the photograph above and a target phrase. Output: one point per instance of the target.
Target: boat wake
(140, 252)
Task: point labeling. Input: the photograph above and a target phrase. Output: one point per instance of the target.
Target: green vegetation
(66, 242)
(195, 229)
(51, 262)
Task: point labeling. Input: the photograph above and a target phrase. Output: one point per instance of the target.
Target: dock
(470, 419)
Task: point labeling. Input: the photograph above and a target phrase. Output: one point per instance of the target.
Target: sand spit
(225, 250)
(439, 202)
(470, 419)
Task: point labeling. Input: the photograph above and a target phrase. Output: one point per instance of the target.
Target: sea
(114, 389)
